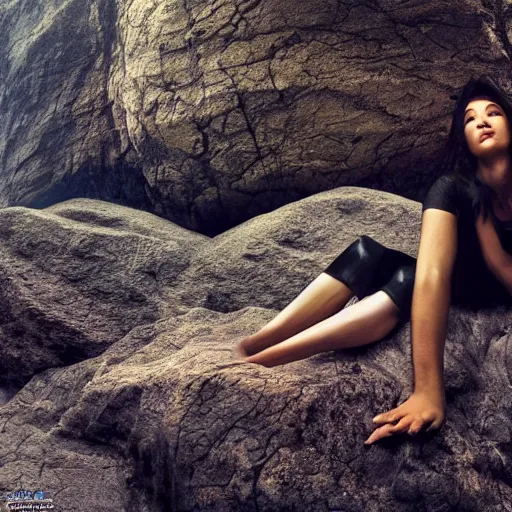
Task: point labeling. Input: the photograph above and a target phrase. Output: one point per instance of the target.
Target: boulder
(118, 329)
(211, 113)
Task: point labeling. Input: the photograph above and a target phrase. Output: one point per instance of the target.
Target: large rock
(135, 402)
(209, 113)
(77, 279)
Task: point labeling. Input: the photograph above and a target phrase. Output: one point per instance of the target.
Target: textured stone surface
(153, 414)
(117, 265)
(209, 113)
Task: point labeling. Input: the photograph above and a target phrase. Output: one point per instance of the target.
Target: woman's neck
(497, 173)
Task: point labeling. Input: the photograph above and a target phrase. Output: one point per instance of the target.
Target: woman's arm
(498, 260)
(430, 308)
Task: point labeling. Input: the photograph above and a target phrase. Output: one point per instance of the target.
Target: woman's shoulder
(457, 183)
(455, 178)
(449, 192)
(445, 184)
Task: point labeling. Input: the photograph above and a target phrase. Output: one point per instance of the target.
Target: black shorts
(366, 266)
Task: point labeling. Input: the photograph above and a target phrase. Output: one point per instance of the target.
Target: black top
(473, 285)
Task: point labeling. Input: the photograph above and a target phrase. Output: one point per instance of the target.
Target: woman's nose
(483, 124)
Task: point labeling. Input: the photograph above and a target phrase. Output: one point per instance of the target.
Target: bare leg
(323, 297)
(364, 322)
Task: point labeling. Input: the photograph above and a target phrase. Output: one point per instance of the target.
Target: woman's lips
(486, 136)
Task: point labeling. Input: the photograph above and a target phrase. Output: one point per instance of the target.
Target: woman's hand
(419, 410)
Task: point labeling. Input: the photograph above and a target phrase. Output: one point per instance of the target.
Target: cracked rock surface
(117, 330)
(210, 113)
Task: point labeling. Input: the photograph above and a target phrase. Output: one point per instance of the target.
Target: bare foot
(250, 345)
(239, 351)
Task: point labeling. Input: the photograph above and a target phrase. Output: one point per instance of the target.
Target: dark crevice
(152, 475)
(122, 184)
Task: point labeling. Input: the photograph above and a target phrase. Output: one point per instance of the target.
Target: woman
(464, 259)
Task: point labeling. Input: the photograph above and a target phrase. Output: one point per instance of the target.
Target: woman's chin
(491, 151)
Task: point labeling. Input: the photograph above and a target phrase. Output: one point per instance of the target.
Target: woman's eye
(493, 112)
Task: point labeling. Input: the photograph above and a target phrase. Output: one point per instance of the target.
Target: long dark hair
(456, 157)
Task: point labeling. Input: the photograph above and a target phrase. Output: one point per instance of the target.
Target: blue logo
(25, 500)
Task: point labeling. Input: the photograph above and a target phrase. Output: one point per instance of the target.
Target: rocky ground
(117, 330)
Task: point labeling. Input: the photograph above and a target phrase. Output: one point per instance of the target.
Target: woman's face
(486, 128)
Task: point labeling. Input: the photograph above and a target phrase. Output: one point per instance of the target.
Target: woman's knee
(368, 249)
(404, 276)
(356, 265)
(400, 289)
